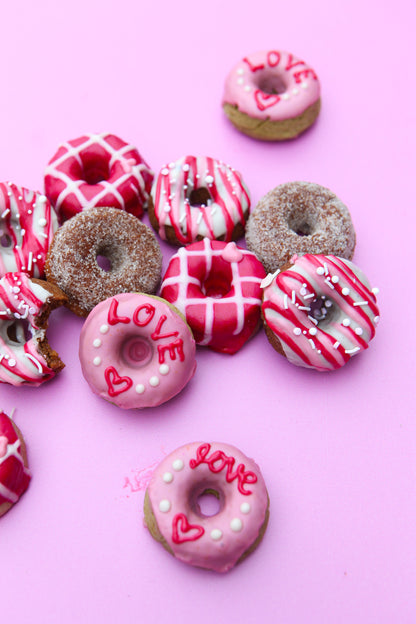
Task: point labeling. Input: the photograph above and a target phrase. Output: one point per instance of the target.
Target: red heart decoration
(182, 531)
(113, 379)
(3, 446)
(265, 100)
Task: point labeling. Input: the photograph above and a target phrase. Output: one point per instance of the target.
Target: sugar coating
(128, 244)
(299, 218)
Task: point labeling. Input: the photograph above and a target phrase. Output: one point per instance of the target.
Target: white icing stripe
(8, 494)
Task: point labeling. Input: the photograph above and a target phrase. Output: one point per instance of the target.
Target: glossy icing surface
(322, 309)
(27, 225)
(21, 301)
(272, 84)
(227, 199)
(97, 170)
(215, 542)
(216, 286)
(136, 351)
(14, 474)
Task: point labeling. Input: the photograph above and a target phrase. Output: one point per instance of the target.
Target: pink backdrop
(337, 450)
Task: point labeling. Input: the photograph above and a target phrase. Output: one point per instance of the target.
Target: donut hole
(322, 310)
(18, 332)
(94, 170)
(200, 197)
(207, 503)
(104, 262)
(271, 84)
(109, 258)
(216, 287)
(299, 223)
(136, 351)
(6, 241)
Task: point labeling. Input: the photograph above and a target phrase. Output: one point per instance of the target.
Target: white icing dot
(236, 525)
(186, 167)
(345, 291)
(32, 310)
(285, 96)
(12, 362)
(245, 508)
(96, 361)
(247, 88)
(303, 291)
(216, 534)
(97, 343)
(164, 369)
(42, 222)
(335, 279)
(313, 331)
(164, 505)
(304, 85)
(16, 289)
(104, 329)
(328, 303)
(376, 319)
(295, 91)
(154, 381)
(167, 477)
(240, 81)
(320, 270)
(346, 322)
(358, 331)
(177, 464)
(297, 331)
(240, 71)
(209, 179)
(165, 171)
(43, 199)
(375, 291)
(140, 388)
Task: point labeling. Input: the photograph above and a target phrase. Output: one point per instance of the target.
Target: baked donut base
(151, 523)
(57, 299)
(170, 235)
(4, 507)
(268, 130)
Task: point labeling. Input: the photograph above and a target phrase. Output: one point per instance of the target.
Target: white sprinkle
(43, 199)
(376, 319)
(240, 81)
(358, 331)
(97, 343)
(345, 291)
(154, 381)
(96, 361)
(295, 91)
(309, 296)
(335, 279)
(167, 477)
(216, 534)
(293, 296)
(240, 71)
(236, 525)
(312, 319)
(304, 308)
(199, 218)
(16, 289)
(320, 270)
(29, 261)
(140, 388)
(312, 343)
(303, 291)
(352, 351)
(285, 300)
(5, 213)
(213, 210)
(182, 218)
(375, 291)
(209, 179)
(328, 281)
(164, 505)
(165, 171)
(336, 344)
(285, 96)
(304, 85)
(164, 369)
(177, 465)
(328, 303)
(167, 208)
(42, 222)
(297, 331)
(326, 268)
(247, 88)
(346, 322)
(104, 329)
(313, 331)
(360, 303)
(245, 508)
(186, 167)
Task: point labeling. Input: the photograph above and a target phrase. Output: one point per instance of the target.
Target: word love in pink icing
(218, 460)
(137, 350)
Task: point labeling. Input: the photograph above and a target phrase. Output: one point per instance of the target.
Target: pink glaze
(14, 475)
(228, 204)
(350, 312)
(21, 301)
(271, 85)
(215, 542)
(136, 351)
(216, 286)
(97, 170)
(27, 225)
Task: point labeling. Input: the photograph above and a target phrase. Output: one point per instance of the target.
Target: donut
(272, 96)
(25, 355)
(14, 472)
(97, 170)
(27, 225)
(319, 311)
(299, 218)
(198, 197)
(136, 351)
(217, 287)
(102, 252)
(172, 505)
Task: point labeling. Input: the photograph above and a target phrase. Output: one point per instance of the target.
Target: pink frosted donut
(216, 286)
(173, 513)
(320, 311)
(272, 95)
(136, 351)
(194, 198)
(14, 472)
(25, 355)
(97, 170)
(27, 225)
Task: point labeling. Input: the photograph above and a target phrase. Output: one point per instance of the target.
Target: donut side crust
(268, 130)
(57, 299)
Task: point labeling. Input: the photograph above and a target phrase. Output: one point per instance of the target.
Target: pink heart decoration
(115, 383)
(3, 446)
(265, 100)
(182, 531)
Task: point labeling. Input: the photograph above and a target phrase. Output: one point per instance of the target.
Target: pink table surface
(337, 450)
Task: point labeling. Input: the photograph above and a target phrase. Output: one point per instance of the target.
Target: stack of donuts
(83, 245)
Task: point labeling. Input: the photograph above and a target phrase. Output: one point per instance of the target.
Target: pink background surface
(337, 450)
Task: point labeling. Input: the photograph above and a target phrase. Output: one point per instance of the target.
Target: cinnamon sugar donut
(299, 218)
(112, 237)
